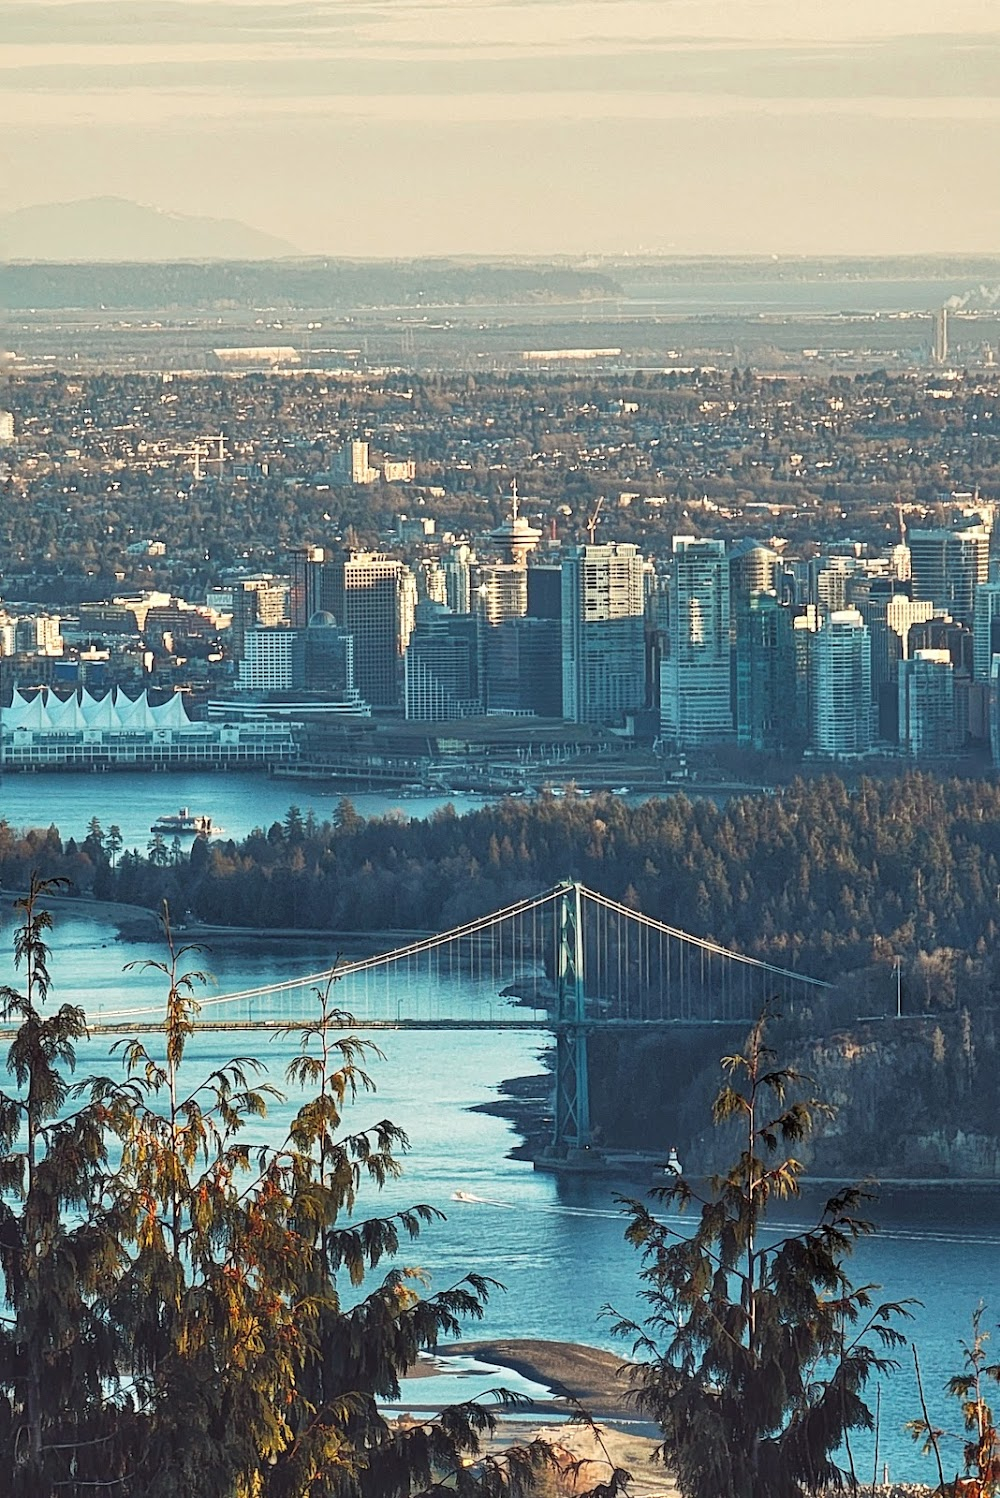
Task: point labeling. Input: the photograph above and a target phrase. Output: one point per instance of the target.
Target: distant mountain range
(116, 229)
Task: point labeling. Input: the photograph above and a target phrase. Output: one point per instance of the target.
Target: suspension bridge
(569, 961)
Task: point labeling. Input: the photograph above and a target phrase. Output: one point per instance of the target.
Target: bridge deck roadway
(147, 1027)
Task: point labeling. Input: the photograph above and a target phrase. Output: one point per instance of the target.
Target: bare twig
(931, 1432)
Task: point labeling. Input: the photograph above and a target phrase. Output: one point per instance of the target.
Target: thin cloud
(644, 120)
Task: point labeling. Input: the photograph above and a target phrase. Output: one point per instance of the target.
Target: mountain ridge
(113, 229)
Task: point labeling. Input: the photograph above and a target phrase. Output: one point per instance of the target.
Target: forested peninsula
(839, 883)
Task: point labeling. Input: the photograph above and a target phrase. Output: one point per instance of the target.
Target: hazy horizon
(448, 127)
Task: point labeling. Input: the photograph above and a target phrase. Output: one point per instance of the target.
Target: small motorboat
(185, 823)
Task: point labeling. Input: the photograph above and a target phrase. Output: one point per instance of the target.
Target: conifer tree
(255, 1360)
(756, 1350)
(186, 1312)
(60, 1252)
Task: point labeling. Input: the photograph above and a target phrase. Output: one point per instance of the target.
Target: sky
(417, 127)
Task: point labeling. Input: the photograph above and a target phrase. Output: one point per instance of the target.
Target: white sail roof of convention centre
(44, 711)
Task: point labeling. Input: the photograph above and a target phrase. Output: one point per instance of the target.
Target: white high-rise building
(456, 565)
(603, 632)
(408, 597)
(841, 686)
(268, 660)
(353, 466)
(695, 678)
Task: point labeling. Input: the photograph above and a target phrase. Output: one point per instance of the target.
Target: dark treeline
(837, 883)
(819, 878)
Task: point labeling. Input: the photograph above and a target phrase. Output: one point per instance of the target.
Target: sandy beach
(585, 1376)
(592, 1379)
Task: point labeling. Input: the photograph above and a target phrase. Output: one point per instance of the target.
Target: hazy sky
(407, 127)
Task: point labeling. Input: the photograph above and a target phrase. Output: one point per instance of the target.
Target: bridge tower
(572, 1113)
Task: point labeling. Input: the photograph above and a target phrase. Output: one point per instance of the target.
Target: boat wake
(481, 1201)
(898, 1234)
(558, 1211)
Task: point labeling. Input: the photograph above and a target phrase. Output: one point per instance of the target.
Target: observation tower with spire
(515, 538)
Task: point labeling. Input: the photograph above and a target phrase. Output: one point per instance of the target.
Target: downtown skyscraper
(696, 675)
(603, 633)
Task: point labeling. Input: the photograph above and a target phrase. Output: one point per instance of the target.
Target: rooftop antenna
(513, 498)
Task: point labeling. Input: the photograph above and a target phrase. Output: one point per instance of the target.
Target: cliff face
(913, 1099)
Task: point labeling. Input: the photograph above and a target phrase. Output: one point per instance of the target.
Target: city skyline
(469, 126)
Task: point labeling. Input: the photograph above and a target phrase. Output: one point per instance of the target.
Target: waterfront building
(695, 677)
(43, 731)
(523, 667)
(768, 716)
(442, 670)
(408, 598)
(267, 662)
(323, 661)
(364, 592)
(994, 711)
(804, 627)
(928, 722)
(971, 697)
(603, 633)
(948, 566)
(841, 686)
(257, 602)
(753, 570)
(38, 634)
(305, 585)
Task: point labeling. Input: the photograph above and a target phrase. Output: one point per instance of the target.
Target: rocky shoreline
(524, 1102)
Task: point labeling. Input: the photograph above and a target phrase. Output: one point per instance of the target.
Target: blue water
(818, 297)
(236, 802)
(557, 1245)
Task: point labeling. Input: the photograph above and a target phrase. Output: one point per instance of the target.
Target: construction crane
(591, 525)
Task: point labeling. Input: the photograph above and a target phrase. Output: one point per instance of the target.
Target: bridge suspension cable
(699, 941)
(340, 971)
(638, 970)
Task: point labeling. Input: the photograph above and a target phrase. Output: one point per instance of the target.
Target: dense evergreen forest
(817, 877)
(837, 883)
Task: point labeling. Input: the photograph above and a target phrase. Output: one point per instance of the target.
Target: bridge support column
(572, 1113)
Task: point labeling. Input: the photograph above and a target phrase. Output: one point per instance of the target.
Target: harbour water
(556, 1244)
(236, 803)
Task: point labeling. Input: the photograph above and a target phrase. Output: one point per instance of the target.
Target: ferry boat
(185, 823)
